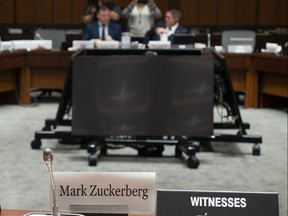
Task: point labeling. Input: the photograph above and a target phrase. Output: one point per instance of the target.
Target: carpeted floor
(231, 167)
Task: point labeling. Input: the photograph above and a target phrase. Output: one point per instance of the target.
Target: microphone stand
(48, 158)
(53, 187)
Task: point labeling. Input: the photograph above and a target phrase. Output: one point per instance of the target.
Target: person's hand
(161, 31)
(96, 41)
(133, 2)
(93, 10)
(108, 38)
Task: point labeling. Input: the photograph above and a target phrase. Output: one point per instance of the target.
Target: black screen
(183, 39)
(143, 95)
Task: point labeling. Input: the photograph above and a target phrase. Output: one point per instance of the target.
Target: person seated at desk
(89, 14)
(166, 30)
(102, 29)
(141, 15)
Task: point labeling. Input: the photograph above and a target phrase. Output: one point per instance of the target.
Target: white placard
(135, 190)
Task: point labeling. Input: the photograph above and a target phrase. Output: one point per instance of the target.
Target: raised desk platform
(262, 77)
(243, 76)
(11, 65)
(6, 212)
(272, 72)
(44, 70)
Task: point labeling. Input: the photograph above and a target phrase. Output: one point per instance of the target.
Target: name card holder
(100, 210)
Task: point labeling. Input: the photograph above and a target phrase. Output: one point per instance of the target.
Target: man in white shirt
(166, 30)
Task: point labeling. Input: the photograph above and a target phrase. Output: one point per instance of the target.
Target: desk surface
(6, 212)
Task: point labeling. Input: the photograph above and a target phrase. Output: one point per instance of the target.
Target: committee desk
(21, 72)
(6, 212)
(262, 77)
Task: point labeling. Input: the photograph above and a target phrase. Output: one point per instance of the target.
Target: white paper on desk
(40, 44)
(135, 190)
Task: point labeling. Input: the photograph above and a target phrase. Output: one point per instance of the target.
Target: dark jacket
(92, 31)
(152, 35)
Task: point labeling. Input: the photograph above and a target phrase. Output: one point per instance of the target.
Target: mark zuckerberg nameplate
(132, 189)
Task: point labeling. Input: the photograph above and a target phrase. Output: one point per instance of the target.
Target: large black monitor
(146, 95)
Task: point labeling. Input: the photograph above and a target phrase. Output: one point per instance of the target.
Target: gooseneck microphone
(48, 158)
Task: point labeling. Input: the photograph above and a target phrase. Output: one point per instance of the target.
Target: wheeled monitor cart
(146, 145)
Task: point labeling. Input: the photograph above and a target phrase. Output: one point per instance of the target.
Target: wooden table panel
(255, 74)
(273, 78)
(6, 212)
(10, 66)
(44, 70)
(243, 76)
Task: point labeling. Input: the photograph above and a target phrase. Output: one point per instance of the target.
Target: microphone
(48, 158)
(38, 36)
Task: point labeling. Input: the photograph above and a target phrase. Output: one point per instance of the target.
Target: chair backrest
(58, 36)
(238, 41)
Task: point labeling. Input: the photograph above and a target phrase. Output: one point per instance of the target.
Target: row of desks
(21, 71)
(262, 77)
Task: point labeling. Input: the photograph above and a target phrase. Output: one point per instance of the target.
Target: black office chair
(58, 37)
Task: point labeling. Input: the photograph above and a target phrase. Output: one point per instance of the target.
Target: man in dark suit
(102, 28)
(166, 30)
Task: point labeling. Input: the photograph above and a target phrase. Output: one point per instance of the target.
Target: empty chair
(58, 36)
(238, 41)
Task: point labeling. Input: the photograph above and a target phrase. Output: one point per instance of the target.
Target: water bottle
(208, 39)
(125, 40)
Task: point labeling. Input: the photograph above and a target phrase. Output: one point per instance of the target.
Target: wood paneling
(62, 12)
(78, 7)
(163, 5)
(247, 12)
(6, 11)
(190, 7)
(227, 12)
(208, 12)
(282, 18)
(194, 12)
(268, 12)
(44, 11)
(25, 11)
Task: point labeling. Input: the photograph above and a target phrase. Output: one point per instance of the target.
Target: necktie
(103, 33)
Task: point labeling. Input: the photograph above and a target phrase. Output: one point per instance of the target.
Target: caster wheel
(103, 151)
(91, 149)
(256, 150)
(193, 162)
(178, 152)
(36, 144)
(197, 146)
(141, 152)
(92, 160)
(46, 128)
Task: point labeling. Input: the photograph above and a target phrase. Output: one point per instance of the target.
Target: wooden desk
(11, 65)
(243, 76)
(273, 79)
(44, 70)
(6, 212)
(258, 75)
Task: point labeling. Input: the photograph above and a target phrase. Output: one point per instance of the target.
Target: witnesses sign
(200, 203)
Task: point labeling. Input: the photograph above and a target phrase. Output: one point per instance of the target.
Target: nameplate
(206, 203)
(135, 190)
